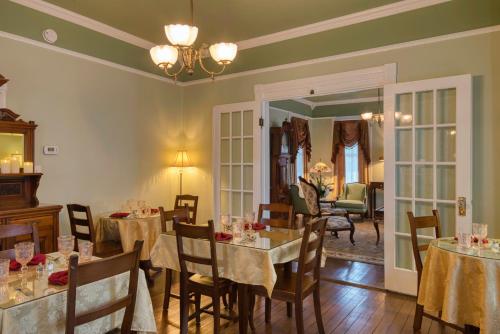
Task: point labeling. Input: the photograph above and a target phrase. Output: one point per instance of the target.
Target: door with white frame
(428, 165)
(236, 154)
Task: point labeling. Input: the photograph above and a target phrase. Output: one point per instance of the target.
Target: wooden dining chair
(280, 215)
(213, 286)
(191, 200)
(294, 287)
(182, 215)
(94, 271)
(12, 233)
(82, 227)
(415, 224)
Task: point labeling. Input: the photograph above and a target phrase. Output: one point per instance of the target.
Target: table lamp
(181, 161)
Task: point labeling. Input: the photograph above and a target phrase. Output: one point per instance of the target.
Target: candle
(5, 166)
(28, 167)
(15, 166)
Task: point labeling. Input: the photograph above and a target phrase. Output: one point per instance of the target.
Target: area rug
(364, 250)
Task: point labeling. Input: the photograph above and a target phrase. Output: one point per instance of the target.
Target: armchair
(353, 198)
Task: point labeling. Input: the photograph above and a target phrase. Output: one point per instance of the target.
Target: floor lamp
(181, 161)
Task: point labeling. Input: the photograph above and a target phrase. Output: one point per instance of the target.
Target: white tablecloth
(47, 314)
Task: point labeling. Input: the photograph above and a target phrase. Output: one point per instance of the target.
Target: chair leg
(351, 235)
(233, 293)
(168, 288)
(184, 309)
(216, 308)
(375, 224)
(268, 310)
(336, 234)
(317, 310)
(299, 316)
(197, 302)
(417, 320)
(251, 309)
(224, 301)
(289, 309)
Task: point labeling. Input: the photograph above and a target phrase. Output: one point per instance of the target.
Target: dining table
(245, 262)
(462, 285)
(40, 307)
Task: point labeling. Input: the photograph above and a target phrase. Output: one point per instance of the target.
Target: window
(351, 164)
(299, 163)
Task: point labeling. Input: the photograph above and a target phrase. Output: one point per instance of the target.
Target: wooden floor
(358, 273)
(345, 309)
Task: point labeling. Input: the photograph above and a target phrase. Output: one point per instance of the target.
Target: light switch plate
(51, 150)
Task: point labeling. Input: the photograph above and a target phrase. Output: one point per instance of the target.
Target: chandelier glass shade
(181, 51)
(378, 117)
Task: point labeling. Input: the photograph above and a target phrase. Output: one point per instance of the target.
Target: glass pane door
(425, 168)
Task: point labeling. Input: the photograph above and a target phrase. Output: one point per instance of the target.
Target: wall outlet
(51, 150)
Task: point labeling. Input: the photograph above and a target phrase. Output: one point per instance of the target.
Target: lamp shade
(367, 116)
(181, 34)
(321, 167)
(182, 160)
(164, 55)
(223, 53)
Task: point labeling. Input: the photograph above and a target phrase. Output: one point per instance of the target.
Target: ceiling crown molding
(84, 21)
(339, 22)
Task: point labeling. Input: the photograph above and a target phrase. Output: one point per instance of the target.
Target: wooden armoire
(282, 163)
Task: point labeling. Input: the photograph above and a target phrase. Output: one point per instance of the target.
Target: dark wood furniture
(9, 234)
(376, 212)
(419, 223)
(94, 271)
(282, 164)
(280, 215)
(214, 286)
(18, 201)
(298, 285)
(82, 227)
(192, 201)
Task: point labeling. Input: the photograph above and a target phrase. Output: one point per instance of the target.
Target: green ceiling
(241, 19)
(217, 20)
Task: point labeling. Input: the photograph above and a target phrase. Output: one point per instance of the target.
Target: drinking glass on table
(65, 245)
(4, 270)
(85, 250)
(225, 222)
(24, 253)
(464, 240)
(479, 232)
(249, 218)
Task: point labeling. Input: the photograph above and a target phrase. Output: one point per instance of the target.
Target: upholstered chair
(353, 198)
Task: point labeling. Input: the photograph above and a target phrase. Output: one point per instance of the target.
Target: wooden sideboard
(47, 218)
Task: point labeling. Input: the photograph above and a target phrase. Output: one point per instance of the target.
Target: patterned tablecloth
(128, 230)
(43, 309)
(462, 284)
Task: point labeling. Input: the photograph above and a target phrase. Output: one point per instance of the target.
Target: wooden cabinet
(282, 168)
(47, 218)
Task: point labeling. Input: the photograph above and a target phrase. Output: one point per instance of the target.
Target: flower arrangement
(320, 181)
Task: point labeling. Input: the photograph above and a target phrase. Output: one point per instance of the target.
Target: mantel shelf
(20, 174)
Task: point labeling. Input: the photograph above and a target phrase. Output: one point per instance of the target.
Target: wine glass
(65, 245)
(4, 270)
(483, 233)
(85, 249)
(24, 253)
(225, 221)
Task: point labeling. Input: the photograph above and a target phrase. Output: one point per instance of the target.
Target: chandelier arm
(174, 75)
(211, 73)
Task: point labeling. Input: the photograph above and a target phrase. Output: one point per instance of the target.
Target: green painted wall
(339, 110)
(478, 55)
(116, 131)
(293, 106)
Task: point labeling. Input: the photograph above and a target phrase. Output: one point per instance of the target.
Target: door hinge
(261, 122)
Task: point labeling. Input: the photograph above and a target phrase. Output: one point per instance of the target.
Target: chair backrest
(354, 191)
(192, 201)
(311, 196)
(299, 203)
(9, 234)
(80, 224)
(311, 250)
(168, 216)
(280, 215)
(202, 232)
(418, 223)
(90, 272)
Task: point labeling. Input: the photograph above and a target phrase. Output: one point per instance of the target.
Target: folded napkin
(258, 226)
(39, 258)
(221, 236)
(154, 211)
(119, 215)
(59, 278)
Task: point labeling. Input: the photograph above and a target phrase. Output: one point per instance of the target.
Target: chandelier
(182, 38)
(379, 116)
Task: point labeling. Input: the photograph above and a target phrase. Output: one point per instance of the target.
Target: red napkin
(39, 258)
(59, 278)
(258, 226)
(119, 215)
(221, 236)
(154, 211)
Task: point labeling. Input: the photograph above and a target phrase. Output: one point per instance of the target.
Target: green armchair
(353, 198)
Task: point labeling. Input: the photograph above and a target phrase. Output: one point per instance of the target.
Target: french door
(236, 154)
(428, 165)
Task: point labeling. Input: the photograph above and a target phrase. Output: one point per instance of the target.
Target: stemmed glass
(65, 245)
(479, 232)
(24, 253)
(225, 221)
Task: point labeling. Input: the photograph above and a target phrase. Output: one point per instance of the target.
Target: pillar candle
(15, 166)
(5, 166)
(28, 167)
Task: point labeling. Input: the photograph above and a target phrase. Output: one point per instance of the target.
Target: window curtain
(300, 138)
(347, 134)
